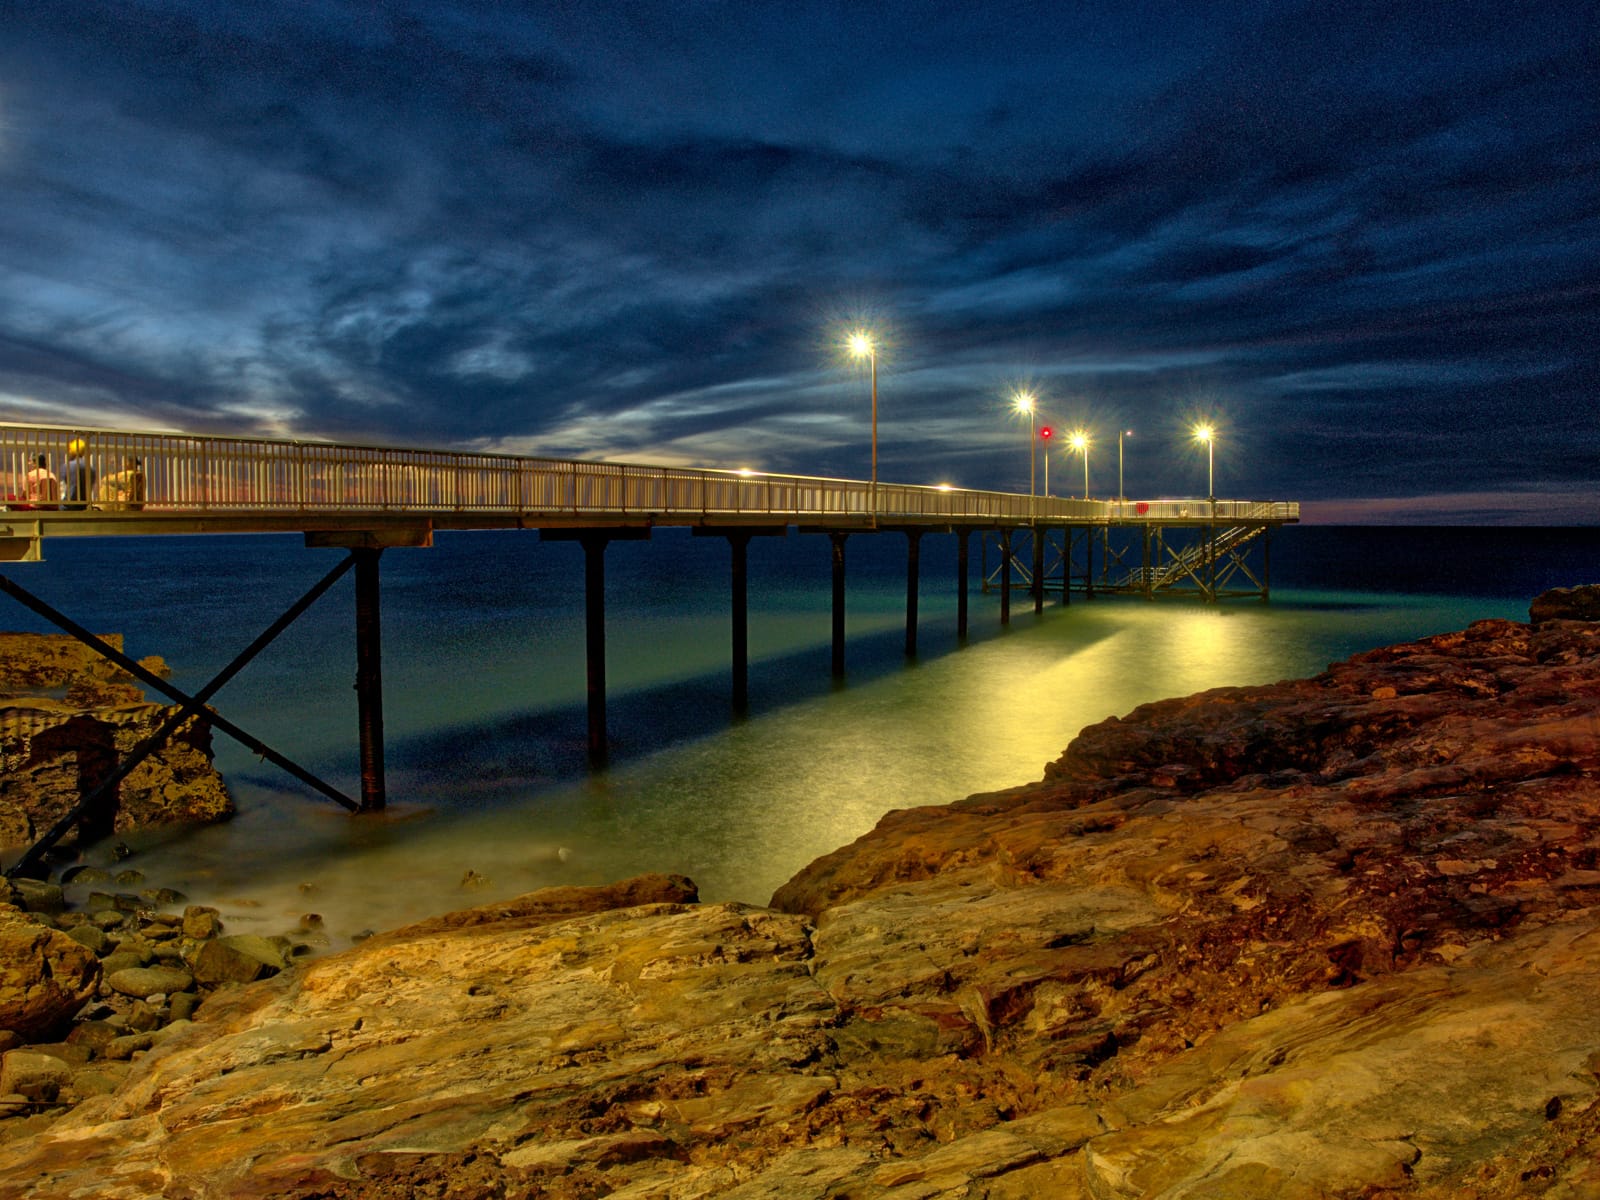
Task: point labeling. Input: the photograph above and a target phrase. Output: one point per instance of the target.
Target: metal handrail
(126, 471)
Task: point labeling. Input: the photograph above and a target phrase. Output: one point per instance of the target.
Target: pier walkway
(73, 482)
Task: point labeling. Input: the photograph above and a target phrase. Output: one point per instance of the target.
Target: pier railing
(116, 471)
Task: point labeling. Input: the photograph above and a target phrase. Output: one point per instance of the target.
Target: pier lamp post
(1124, 433)
(1208, 435)
(1024, 402)
(1080, 443)
(862, 346)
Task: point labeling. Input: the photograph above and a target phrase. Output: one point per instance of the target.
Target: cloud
(1363, 237)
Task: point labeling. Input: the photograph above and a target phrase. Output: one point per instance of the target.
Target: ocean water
(490, 793)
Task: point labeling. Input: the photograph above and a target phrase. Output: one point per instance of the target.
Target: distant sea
(484, 695)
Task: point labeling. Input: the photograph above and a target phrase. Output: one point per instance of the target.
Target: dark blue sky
(1363, 238)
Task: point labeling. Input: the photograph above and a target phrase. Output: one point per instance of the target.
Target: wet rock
(146, 981)
(39, 897)
(240, 958)
(201, 922)
(182, 1006)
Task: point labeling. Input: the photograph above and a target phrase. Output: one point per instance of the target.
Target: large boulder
(1581, 603)
(45, 976)
(53, 751)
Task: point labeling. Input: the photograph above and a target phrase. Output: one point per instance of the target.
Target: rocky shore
(1334, 937)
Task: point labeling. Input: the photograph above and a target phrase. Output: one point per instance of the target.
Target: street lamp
(1080, 443)
(1024, 403)
(1121, 496)
(1208, 435)
(861, 345)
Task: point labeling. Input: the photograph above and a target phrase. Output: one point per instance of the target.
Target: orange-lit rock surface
(1334, 937)
(66, 717)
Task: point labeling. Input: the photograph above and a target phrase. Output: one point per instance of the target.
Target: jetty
(58, 481)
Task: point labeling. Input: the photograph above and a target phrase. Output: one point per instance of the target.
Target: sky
(1360, 239)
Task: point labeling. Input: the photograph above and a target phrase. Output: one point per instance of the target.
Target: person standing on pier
(79, 476)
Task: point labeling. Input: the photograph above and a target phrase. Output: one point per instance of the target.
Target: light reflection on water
(741, 809)
(484, 685)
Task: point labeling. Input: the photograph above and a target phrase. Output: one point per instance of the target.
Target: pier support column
(1038, 570)
(1005, 577)
(594, 542)
(1088, 563)
(1266, 564)
(913, 570)
(594, 613)
(1144, 574)
(961, 583)
(739, 603)
(838, 540)
(1066, 565)
(369, 678)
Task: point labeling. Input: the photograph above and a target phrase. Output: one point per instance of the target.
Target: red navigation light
(1046, 432)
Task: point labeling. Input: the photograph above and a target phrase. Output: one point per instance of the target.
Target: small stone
(121, 960)
(143, 1017)
(182, 1005)
(85, 875)
(130, 876)
(472, 880)
(201, 923)
(93, 1034)
(33, 1075)
(237, 959)
(123, 1048)
(108, 918)
(145, 981)
(310, 921)
(39, 897)
(163, 896)
(91, 937)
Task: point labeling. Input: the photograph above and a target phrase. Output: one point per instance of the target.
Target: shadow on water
(474, 763)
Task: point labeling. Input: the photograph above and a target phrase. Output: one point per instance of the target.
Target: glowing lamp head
(1023, 402)
(1046, 433)
(1204, 433)
(861, 345)
(1079, 441)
